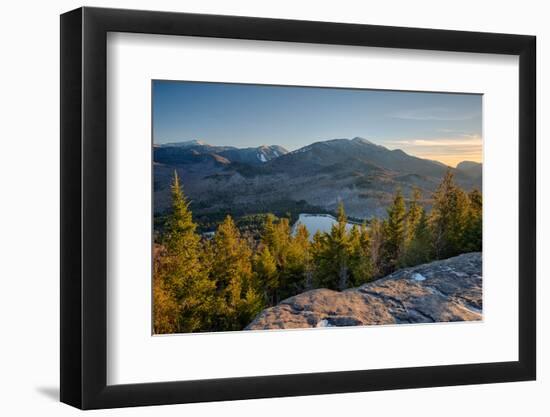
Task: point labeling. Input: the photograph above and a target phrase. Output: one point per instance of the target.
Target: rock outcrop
(440, 291)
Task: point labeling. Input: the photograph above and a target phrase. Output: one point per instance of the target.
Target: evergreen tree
(268, 234)
(354, 237)
(476, 201)
(292, 256)
(361, 264)
(340, 247)
(249, 307)
(265, 267)
(473, 233)
(394, 233)
(414, 212)
(376, 229)
(318, 250)
(297, 270)
(239, 299)
(419, 249)
(165, 307)
(449, 216)
(333, 255)
(276, 237)
(183, 275)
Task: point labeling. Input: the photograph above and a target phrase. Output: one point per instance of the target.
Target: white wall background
(29, 225)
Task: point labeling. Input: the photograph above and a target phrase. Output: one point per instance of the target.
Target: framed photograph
(258, 208)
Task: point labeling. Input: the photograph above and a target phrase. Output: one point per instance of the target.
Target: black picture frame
(84, 207)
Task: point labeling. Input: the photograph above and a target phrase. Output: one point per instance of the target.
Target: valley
(314, 179)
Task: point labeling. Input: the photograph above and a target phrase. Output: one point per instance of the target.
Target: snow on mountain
(186, 144)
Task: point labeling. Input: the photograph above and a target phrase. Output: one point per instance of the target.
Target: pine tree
(183, 276)
(419, 249)
(354, 242)
(265, 267)
(309, 270)
(341, 247)
(239, 299)
(165, 307)
(376, 229)
(361, 265)
(332, 255)
(318, 250)
(394, 233)
(298, 266)
(449, 217)
(276, 236)
(249, 307)
(268, 233)
(291, 255)
(414, 212)
(473, 233)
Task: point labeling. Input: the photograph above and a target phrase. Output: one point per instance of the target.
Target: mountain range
(361, 174)
(192, 150)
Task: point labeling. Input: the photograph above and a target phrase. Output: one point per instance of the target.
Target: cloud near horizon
(449, 150)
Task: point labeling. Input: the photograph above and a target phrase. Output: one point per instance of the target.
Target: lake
(317, 222)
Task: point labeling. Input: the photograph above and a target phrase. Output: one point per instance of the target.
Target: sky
(439, 126)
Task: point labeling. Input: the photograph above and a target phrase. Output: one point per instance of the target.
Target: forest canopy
(221, 282)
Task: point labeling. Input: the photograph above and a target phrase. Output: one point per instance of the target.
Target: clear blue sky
(445, 127)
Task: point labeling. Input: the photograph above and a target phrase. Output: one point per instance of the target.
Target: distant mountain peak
(470, 168)
(359, 139)
(187, 143)
(354, 170)
(268, 152)
(339, 143)
(468, 165)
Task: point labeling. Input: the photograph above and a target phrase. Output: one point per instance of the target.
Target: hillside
(471, 169)
(314, 178)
